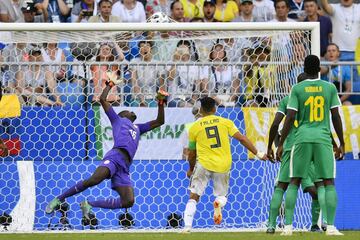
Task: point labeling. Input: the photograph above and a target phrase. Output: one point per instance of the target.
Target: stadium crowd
(47, 79)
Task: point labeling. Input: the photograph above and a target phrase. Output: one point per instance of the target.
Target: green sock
(321, 199)
(290, 202)
(315, 212)
(275, 205)
(331, 203)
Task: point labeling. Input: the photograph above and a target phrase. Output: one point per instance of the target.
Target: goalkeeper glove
(162, 97)
(113, 79)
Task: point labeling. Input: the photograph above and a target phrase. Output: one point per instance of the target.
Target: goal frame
(314, 27)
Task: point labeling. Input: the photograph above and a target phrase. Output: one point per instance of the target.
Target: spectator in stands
(193, 8)
(34, 13)
(345, 18)
(34, 82)
(153, 6)
(226, 11)
(224, 82)
(13, 55)
(108, 52)
(54, 56)
(282, 8)
(246, 12)
(258, 79)
(146, 79)
(55, 10)
(297, 12)
(129, 11)
(185, 82)
(311, 8)
(10, 11)
(177, 11)
(340, 75)
(209, 11)
(264, 10)
(83, 10)
(104, 16)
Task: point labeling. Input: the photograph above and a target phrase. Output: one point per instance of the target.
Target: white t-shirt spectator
(346, 26)
(185, 80)
(137, 14)
(221, 78)
(264, 10)
(148, 76)
(12, 9)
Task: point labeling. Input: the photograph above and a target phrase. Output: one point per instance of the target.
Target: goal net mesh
(62, 132)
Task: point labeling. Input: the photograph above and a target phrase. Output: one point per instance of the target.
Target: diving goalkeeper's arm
(161, 97)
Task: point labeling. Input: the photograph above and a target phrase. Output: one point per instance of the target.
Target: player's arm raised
(273, 133)
(160, 119)
(103, 97)
(248, 144)
(113, 80)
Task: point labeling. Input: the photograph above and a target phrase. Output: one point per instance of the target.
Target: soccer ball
(159, 17)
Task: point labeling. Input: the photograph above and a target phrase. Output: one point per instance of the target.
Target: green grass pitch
(176, 236)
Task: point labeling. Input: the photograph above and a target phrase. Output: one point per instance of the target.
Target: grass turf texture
(176, 236)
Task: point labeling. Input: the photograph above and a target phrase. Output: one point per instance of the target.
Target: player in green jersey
(311, 102)
(283, 179)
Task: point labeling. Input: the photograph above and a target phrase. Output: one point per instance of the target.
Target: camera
(28, 6)
(87, 13)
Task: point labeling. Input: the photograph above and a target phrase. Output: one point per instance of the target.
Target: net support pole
(315, 39)
(253, 26)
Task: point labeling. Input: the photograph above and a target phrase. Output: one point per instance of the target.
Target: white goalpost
(62, 133)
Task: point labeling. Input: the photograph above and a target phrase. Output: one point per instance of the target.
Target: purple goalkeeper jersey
(126, 134)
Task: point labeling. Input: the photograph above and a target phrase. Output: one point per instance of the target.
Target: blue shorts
(119, 171)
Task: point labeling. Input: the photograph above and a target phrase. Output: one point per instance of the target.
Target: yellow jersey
(192, 10)
(210, 136)
(228, 13)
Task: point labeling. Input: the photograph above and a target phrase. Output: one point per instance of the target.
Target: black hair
(173, 3)
(334, 44)
(207, 104)
(102, 1)
(305, 1)
(145, 42)
(312, 65)
(285, 1)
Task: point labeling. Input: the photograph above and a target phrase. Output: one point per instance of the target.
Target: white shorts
(201, 176)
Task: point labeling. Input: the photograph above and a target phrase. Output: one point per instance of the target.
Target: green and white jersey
(289, 141)
(313, 99)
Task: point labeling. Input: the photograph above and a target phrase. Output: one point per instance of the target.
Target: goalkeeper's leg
(100, 174)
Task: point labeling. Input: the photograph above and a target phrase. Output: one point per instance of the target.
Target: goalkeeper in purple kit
(117, 161)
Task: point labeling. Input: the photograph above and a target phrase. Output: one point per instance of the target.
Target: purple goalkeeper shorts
(119, 171)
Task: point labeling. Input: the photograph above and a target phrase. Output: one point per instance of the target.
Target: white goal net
(58, 133)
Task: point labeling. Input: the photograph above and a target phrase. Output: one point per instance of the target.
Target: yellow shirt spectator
(357, 54)
(193, 8)
(227, 12)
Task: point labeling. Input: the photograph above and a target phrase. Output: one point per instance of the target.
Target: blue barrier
(60, 160)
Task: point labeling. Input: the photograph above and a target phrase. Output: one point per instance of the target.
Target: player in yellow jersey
(209, 144)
